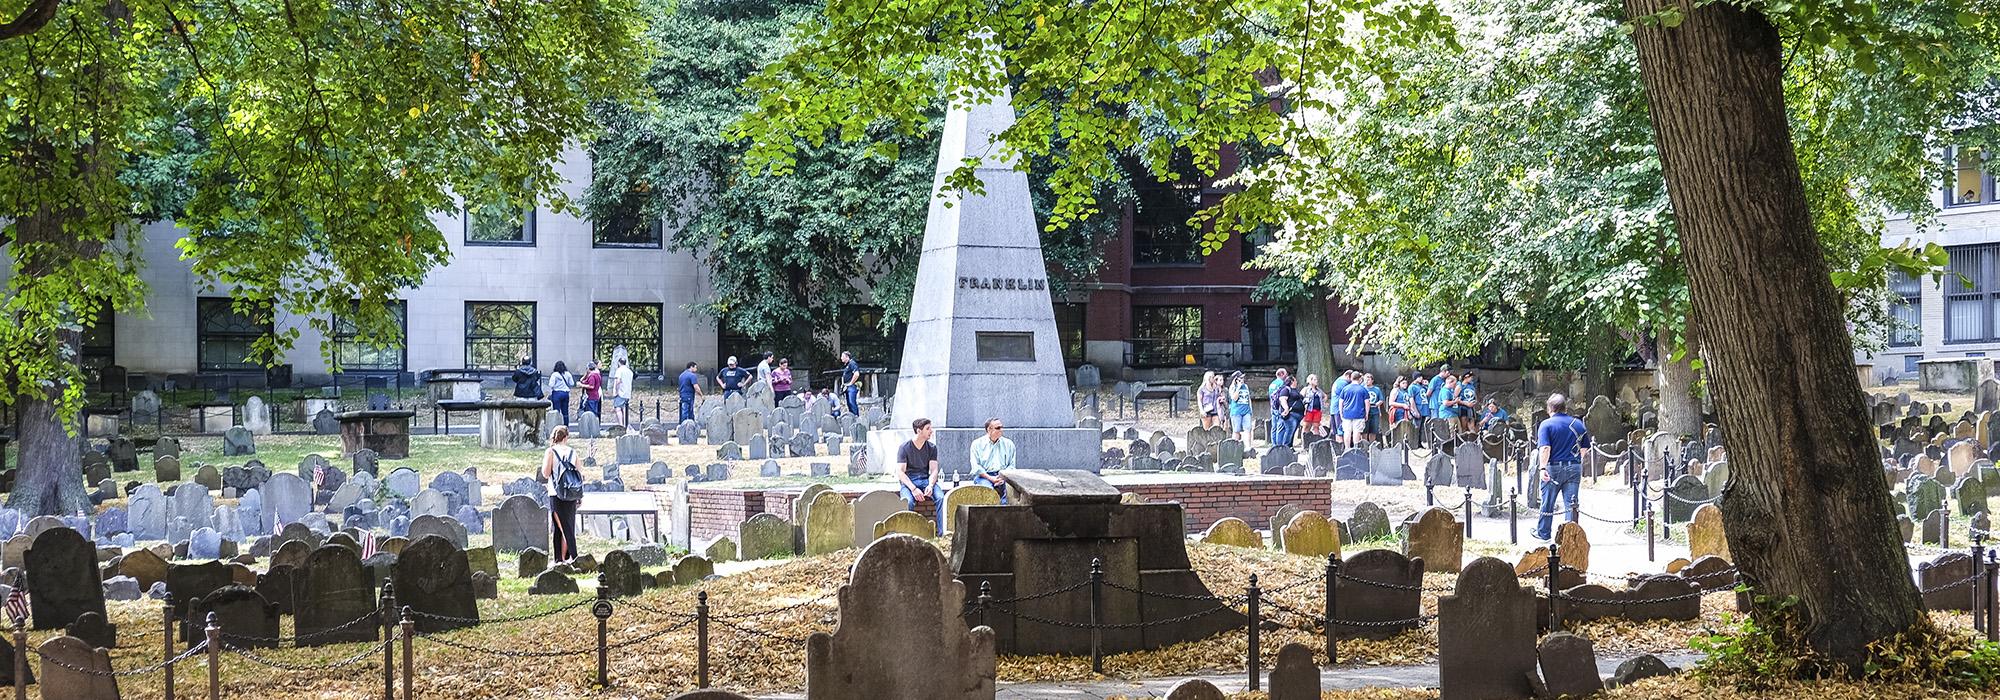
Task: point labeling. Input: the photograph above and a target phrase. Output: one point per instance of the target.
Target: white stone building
(1951, 317)
(550, 284)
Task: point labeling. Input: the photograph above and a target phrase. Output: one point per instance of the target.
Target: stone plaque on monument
(982, 336)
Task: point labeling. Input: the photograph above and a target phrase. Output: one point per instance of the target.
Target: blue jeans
(559, 400)
(854, 401)
(1287, 429)
(687, 407)
(937, 498)
(982, 480)
(1564, 478)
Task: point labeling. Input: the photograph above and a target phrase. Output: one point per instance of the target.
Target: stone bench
(385, 432)
(506, 424)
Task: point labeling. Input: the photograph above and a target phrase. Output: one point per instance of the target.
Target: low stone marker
(1705, 534)
(1311, 534)
(1569, 666)
(60, 654)
(619, 575)
(1233, 532)
(1296, 675)
(765, 536)
(1436, 537)
(1195, 689)
(1369, 522)
(904, 523)
(900, 603)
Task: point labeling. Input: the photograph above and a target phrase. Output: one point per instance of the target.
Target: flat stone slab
(1061, 487)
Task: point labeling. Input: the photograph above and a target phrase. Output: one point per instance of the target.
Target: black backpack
(569, 482)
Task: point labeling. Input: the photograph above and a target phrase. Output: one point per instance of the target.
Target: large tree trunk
(49, 480)
(1679, 409)
(1808, 513)
(1314, 337)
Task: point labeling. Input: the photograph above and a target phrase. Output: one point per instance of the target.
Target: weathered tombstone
(1195, 689)
(828, 523)
(1295, 676)
(520, 523)
(1369, 522)
(970, 495)
(62, 574)
(1439, 469)
(1233, 532)
(1942, 581)
(92, 678)
(1379, 586)
(1971, 495)
(904, 523)
(901, 602)
(1435, 536)
(764, 536)
(1469, 465)
(1229, 453)
(692, 569)
(1352, 465)
(1569, 666)
(287, 498)
(1278, 522)
(448, 528)
(633, 449)
(246, 619)
(1486, 635)
(552, 582)
(188, 583)
(1686, 493)
(146, 515)
(334, 589)
(167, 469)
(237, 442)
(619, 575)
(871, 508)
(1924, 495)
(433, 577)
(1311, 534)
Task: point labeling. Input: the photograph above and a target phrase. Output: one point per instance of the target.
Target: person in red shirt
(592, 384)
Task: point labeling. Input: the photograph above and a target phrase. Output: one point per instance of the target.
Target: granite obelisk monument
(982, 331)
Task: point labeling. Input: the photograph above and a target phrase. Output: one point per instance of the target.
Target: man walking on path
(850, 383)
(919, 472)
(1562, 437)
(621, 390)
(690, 381)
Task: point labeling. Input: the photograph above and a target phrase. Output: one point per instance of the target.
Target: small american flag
(368, 546)
(319, 476)
(17, 606)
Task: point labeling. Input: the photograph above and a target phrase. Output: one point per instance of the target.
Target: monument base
(1034, 448)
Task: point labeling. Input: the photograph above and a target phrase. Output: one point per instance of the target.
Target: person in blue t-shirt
(1373, 426)
(850, 382)
(690, 380)
(1276, 416)
(1445, 398)
(1353, 413)
(1340, 384)
(1562, 438)
(1468, 402)
(1239, 408)
(1493, 415)
(1436, 391)
(1420, 400)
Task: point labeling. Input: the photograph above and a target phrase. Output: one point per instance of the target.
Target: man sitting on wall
(919, 473)
(992, 455)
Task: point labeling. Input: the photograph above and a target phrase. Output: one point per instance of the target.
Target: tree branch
(32, 19)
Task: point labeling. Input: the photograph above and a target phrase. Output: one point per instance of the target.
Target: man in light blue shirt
(1437, 395)
(992, 455)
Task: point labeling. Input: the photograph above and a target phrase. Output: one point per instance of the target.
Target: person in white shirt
(621, 391)
(992, 455)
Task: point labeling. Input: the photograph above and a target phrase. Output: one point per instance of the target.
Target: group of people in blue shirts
(1353, 410)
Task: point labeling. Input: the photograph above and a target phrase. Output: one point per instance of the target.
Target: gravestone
(1369, 522)
(146, 515)
(93, 682)
(1439, 468)
(1971, 495)
(828, 523)
(1436, 537)
(1277, 457)
(1942, 582)
(143, 566)
(872, 508)
(901, 602)
(1569, 666)
(1352, 465)
(256, 416)
(287, 498)
(1398, 599)
(1469, 466)
(188, 584)
(971, 495)
(62, 574)
(1295, 676)
(1311, 534)
(553, 582)
(619, 575)
(1195, 689)
(236, 442)
(433, 576)
(1486, 635)
(1386, 467)
(167, 469)
(769, 469)
(324, 422)
(904, 523)
(729, 451)
(1924, 495)
(1233, 532)
(520, 523)
(246, 619)
(444, 527)
(764, 536)
(94, 630)
(1228, 454)
(633, 449)
(1687, 493)
(430, 502)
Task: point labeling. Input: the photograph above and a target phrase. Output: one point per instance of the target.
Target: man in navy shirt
(731, 378)
(1562, 438)
(690, 390)
(850, 382)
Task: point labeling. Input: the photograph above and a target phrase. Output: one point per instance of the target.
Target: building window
(1972, 287)
(1165, 336)
(1069, 331)
(1268, 335)
(627, 226)
(1908, 311)
(1910, 363)
(500, 226)
(355, 352)
(498, 334)
(1970, 181)
(224, 336)
(100, 341)
(861, 334)
(1254, 242)
(634, 326)
(1161, 234)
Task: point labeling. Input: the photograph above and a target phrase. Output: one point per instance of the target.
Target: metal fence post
(1978, 582)
(167, 645)
(701, 639)
(409, 628)
(985, 604)
(1468, 513)
(1555, 588)
(1992, 610)
(1944, 533)
(1097, 616)
(1256, 653)
(21, 659)
(214, 632)
(1332, 585)
(388, 633)
(1429, 498)
(1514, 515)
(602, 611)
(1649, 530)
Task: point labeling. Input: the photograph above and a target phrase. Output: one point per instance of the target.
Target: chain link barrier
(141, 671)
(370, 652)
(502, 620)
(369, 619)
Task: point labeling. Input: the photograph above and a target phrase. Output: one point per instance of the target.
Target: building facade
(548, 285)
(1955, 315)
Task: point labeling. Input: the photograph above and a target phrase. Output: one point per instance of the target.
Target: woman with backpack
(565, 491)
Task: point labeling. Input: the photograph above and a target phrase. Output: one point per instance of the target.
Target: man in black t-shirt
(731, 378)
(918, 471)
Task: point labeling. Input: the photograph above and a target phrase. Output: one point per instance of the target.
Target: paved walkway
(1334, 678)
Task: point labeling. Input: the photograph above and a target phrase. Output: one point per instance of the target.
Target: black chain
(143, 670)
(363, 655)
(498, 620)
(754, 632)
(1168, 596)
(371, 617)
(1418, 621)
